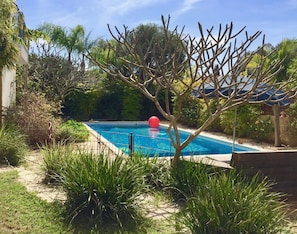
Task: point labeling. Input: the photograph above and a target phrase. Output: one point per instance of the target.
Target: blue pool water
(150, 141)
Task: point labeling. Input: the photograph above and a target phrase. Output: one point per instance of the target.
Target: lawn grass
(24, 212)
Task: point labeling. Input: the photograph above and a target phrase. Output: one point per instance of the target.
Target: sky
(276, 19)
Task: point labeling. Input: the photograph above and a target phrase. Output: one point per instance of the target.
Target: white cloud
(112, 12)
(122, 7)
(276, 21)
(187, 5)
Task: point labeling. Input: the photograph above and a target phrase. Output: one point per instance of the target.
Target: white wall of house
(8, 91)
(8, 76)
(8, 87)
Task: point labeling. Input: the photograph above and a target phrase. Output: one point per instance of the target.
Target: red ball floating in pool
(154, 122)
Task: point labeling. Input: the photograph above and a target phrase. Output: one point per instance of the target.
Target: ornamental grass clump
(102, 191)
(188, 177)
(156, 171)
(13, 145)
(232, 203)
(55, 159)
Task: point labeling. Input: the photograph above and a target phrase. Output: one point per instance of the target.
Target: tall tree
(54, 72)
(150, 43)
(286, 51)
(88, 44)
(72, 40)
(212, 57)
(54, 75)
(142, 37)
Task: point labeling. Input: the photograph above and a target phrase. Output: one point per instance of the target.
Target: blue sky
(277, 19)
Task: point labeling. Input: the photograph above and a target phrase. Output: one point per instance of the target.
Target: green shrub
(13, 145)
(204, 114)
(231, 203)
(32, 115)
(102, 191)
(73, 131)
(262, 128)
(191, 110)
(80, 105)
(131, 105)
(248, 122)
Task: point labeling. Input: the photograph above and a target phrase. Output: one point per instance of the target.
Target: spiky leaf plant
(232, 203)
(102, 190)
(156, 170)
(13, 145)
(55, 158)
(188, 177)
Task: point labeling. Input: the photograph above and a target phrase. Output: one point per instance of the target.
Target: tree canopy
(57, 66)
(72, 40)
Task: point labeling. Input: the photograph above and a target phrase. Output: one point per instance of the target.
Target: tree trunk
(176, 157)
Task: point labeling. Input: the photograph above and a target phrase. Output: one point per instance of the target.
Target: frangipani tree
(195, 61)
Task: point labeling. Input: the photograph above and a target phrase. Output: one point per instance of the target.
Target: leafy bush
(248, 122)
(74, 131)
(231, 203)
(215, 125)
(190, 110)
(101, 190)
(131, 105)
(262, 129)
(292, 111)
(32, 115)
(12, 145)
(80, 105)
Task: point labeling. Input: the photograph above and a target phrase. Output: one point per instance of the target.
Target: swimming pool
(155, 141)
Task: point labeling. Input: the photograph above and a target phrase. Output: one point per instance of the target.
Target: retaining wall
(278, 166)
